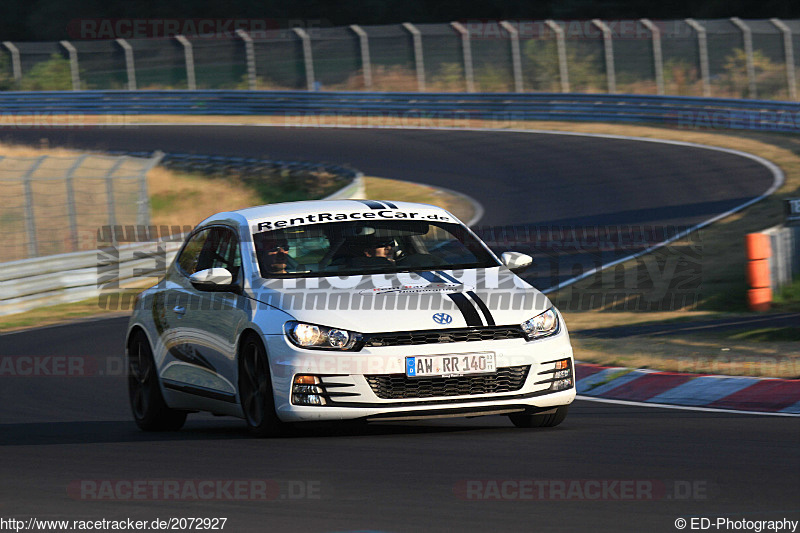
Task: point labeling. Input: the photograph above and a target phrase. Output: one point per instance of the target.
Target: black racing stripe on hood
(430, 276)
(482, 306)
(471, 315)
(448, 277)
(372, 204)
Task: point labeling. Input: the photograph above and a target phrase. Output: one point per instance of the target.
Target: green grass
(788, 297)
(787, 334)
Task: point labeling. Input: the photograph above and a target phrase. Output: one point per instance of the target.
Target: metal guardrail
(24, 108)
(77, 276)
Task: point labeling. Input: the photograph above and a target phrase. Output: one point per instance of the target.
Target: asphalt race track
(67, 440)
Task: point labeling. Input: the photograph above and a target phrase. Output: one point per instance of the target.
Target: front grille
(439, 336)
(398, 386)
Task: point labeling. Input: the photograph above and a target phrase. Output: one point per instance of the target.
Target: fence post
(366, 64)
(143, 204)
(561, 45)
(30, 220)
(516, 57)
(417, 38)
(308, 59)
(747, 36)
(466, 48)
(608, 48)
(129, 66)
(110, 204)
(16, 64)
(73, 65)
(658, 58)
(788, 52)
(250, 57)
(71, 211)
(191, 82)
(702, 48)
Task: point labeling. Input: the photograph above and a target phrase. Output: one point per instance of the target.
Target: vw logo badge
(442, 318)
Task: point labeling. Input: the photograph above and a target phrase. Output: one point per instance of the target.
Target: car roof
(252, 216)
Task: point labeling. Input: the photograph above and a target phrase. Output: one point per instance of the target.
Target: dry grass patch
(386, 189)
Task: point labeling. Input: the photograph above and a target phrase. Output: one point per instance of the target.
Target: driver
(375, 252)
(273, 255)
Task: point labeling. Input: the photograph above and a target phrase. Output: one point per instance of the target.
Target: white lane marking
(682, 407)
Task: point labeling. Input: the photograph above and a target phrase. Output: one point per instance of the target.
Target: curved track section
(525, 181)
(652, 466)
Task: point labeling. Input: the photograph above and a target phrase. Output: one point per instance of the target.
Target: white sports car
(345, 310)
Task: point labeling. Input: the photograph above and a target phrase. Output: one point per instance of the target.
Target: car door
(204, 325)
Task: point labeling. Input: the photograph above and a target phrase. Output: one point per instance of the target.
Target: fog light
(562, 376)
(307, 390)
(562, 384)
(308, 399)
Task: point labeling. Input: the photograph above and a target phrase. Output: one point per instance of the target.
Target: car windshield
(349, 248)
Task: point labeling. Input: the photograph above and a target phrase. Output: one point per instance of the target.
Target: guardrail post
(516, 57)
(608, 48)
(16, 64)
(129, 66)
(111, 206)
(250, 57)
(143, 204)
(71, 211)
(747, 36)
(658, 58)
(73, 64)
(788, 52)
(308, 59)
(466, 48)
(30, 220)
(191, 82)
(366, 64)
(417, 38)
(702, 47)
(561, 45)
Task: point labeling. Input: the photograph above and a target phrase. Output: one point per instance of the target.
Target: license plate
(450, 365)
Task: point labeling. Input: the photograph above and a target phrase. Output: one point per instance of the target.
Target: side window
(211, 248)
(190, 255)
(221, 250)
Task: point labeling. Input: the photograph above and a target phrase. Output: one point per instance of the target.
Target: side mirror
(213, 280)
(516, 261)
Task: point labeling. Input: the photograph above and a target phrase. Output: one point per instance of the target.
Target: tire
(522, 420)
(255, 390)
(147, 403)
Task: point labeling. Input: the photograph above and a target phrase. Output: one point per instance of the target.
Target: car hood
(406, 301)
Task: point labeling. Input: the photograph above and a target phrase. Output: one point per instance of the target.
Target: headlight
(541, 325)
(313, 336)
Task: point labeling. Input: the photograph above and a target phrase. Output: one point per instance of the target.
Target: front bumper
(344, 376)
